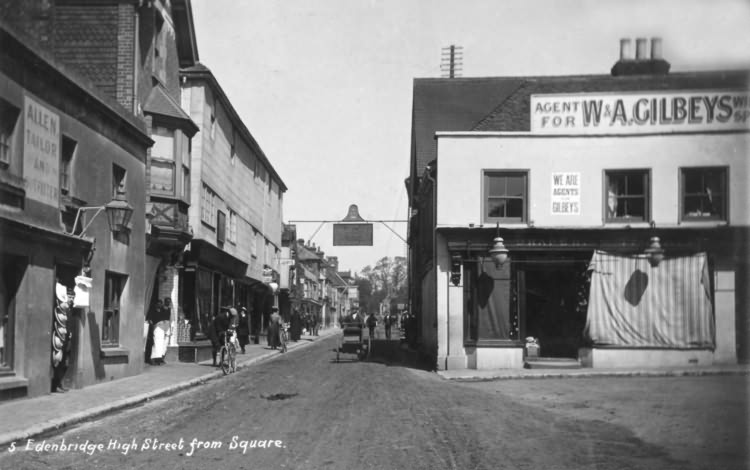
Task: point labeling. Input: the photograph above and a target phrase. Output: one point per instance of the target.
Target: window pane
(636, 184)
(163, 144)
(496, 185)
(516, 186)
(693, 182)
(514, 208)
(162, 177)
(634, 207)
(496, 207)
(186, 150)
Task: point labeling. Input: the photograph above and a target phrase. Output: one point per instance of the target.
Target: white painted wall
(463, 157)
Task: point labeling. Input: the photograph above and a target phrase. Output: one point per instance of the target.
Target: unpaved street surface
(303, 410)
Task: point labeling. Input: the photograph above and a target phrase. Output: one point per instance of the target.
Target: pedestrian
(371, 322)
(315, 323)
(243, 329)
(211, 333)
(160, 322)
(222, 323)
(274, 327)
(387, 324)
(295, 325)
(61, 336)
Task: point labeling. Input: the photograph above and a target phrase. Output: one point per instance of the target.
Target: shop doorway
(550, 296)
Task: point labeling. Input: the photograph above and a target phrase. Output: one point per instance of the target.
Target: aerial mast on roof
(451, 61)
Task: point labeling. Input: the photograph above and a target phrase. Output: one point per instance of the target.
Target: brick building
(58, 134)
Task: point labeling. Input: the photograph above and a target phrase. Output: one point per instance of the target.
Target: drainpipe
(434, 250)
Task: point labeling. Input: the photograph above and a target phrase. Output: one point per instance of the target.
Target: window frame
(232, 232)
(645, 173)
(9, 117)
(486, 175)
(724, 174)
(66, 163)
(208, 205)
(164, 162)
(112, 308)
(221, 227)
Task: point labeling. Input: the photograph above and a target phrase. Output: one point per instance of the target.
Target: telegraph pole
(451, 61)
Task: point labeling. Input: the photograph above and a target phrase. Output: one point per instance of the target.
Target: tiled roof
(159, 102)
(514, 114)
(452, 104)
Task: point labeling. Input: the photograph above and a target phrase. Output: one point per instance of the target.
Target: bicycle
(283, 336)
(228, 353)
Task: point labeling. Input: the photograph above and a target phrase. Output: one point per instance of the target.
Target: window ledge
(13, 381)
(115, 351)
(704, 223)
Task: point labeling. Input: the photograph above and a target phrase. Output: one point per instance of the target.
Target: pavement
(27, 418)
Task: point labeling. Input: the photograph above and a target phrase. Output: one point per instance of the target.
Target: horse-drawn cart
(353, 341)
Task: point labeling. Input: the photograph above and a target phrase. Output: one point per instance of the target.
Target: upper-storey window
(627, 195)
(66, 163)
(704, 193)
(163, 161)
(8, 118)
(208, 205)
(505, 196)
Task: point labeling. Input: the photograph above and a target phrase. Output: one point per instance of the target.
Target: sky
(325, 86)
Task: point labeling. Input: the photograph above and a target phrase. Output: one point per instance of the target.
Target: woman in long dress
(161, 330)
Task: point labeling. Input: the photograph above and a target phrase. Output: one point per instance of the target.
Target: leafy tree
(388, 281)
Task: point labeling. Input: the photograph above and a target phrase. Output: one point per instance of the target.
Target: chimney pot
(656, 48)
(625, 51)
(641, 49)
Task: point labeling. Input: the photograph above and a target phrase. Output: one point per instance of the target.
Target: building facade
(597, 218)
(58, 135)
(236, 213)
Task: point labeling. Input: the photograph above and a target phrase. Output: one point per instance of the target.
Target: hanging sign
(640, 113)
(351, 231)
(566, 193)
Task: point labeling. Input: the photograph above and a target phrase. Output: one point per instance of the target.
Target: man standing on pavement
(387, 325)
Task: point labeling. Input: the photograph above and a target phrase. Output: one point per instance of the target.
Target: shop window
(627, 196)
(12, 270)
(66, 160)
(489, 309)
(505, 196)
(113, 287)
(704, 193)
(8, 118)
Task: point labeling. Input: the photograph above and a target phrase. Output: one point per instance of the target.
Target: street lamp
(498, 252)
(118, 213)
(654, 252)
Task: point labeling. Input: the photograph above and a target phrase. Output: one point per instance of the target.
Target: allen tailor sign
(640, 113)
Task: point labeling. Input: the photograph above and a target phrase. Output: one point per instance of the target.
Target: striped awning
(632, 304)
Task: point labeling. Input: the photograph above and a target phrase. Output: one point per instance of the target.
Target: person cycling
(222, 327)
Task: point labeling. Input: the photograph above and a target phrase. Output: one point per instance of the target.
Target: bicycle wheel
(283, 342)
(224, 356)
(232, 358)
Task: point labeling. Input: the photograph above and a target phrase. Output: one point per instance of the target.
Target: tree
(388, 283)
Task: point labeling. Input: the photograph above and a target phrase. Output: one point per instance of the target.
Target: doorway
(553, 313)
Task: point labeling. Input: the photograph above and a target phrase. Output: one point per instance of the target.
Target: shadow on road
(394, 353)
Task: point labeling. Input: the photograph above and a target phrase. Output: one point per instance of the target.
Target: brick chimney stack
(643, 63)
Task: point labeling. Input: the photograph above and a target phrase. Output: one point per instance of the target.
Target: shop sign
(41, 153)
(640, 113)
(566, 193)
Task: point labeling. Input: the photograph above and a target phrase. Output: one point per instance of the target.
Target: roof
(187, 44)
(305, 254)
(201, 72)
(455, 104)
(502, 103)
(159, 102)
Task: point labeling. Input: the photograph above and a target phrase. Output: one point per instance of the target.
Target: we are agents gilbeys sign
(640, 113)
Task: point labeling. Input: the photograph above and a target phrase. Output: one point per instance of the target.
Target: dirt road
(305, 411)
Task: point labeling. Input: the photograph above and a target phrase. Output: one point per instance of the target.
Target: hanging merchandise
(82, 289)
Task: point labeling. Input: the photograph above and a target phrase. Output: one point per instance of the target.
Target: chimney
(656, 49)
(641, 48)
(625, 52)
(643, 64)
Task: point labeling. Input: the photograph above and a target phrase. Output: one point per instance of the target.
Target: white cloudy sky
(325, 86)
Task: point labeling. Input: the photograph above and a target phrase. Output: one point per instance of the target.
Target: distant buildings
(570, 178)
